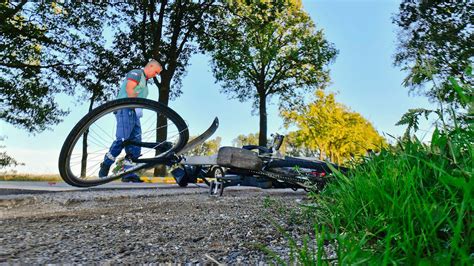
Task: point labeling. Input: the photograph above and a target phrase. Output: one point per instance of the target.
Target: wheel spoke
(86, 152)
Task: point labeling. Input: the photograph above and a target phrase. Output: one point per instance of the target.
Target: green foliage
(42, 50)
(450, 118)
(410, 205)
(5, 159)
(50, 48)
(435, 42)
(262, 49)
(331, 130)
(162, 30)
(411, 118)
(100, 81)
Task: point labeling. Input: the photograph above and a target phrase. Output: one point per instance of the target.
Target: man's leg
(133, 152)
(123, 130)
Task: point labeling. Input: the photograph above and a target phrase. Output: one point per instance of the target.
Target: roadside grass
(30, 177)
(411, 204)
(147, 177)
(9, 176)
(56, 178)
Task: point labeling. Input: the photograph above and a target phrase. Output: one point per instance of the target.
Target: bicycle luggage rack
(238, 163)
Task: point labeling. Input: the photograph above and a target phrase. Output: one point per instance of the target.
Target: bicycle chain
(293, 180)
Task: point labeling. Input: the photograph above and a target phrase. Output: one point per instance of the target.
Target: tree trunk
(161, 122)
(262, 136)
(84, 145)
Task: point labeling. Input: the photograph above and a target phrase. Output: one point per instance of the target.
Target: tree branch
(11, 12)
(159, 29)
(157, 83)
(276, 77)
(143, 42)
(176, 29)
(202, 7)
(22, 65)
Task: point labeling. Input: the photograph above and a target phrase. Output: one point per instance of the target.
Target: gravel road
(171, 225)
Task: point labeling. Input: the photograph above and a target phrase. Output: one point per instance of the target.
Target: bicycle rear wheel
(315, 172)
(90, 140)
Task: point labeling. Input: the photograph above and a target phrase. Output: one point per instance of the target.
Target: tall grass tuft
(409, 204)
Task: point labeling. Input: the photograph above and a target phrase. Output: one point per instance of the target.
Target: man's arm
(131, 84)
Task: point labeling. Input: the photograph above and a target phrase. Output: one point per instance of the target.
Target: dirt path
(146, 225)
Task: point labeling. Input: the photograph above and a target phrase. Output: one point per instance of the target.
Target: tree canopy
(331, 130)
(41, 49)
(435, 42)
(52, 48)
(262, 49)
(162, 30)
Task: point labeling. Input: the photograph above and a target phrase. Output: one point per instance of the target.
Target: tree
(5, 159)
(261, 49)
(163, 30)
(435, 42)
(41, 46)
(331, 130)
(241, 140)
(209, 147)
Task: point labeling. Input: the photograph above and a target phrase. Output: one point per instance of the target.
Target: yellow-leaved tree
(331, 130)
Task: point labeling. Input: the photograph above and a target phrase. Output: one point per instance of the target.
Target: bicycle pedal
(216, 188)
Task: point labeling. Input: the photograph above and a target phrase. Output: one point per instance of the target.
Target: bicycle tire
(292, 162)
(316, 171)
(107, 109)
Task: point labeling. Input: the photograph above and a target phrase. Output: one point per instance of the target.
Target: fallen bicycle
(264, 167)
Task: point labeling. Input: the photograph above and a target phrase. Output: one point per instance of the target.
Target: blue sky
(363, 76)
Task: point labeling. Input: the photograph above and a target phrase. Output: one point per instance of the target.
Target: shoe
(132, 178)
(104, 170)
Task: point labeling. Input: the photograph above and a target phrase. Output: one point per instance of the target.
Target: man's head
(152, 69)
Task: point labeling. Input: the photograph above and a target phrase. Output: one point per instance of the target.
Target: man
(128, 120)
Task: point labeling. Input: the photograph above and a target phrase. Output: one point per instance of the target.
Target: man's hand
(131, 84)
(139, 112)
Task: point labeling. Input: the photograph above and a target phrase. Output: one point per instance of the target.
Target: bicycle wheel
(318, 173)
(89, 142)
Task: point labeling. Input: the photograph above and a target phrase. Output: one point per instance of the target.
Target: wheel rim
(88, 147)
